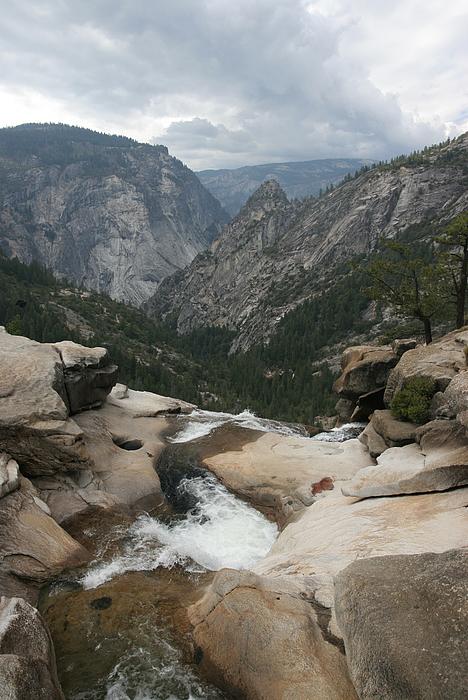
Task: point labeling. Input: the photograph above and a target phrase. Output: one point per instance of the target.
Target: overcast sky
(231, 82)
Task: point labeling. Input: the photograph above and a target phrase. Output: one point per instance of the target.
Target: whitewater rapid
(200, 423)
(220, 531)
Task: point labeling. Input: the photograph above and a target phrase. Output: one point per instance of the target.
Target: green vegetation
(284, 379)
(453, 259)
(413, 402)
(423, 275)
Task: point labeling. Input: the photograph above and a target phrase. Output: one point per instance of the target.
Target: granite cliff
(275, 254)
(106, 212)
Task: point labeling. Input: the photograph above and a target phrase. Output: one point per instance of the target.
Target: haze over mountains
(104, 211)
(298, 179)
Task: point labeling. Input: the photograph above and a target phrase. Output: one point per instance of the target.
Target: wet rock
(9, 475)
(404, 621)
(88, 375)
(27, 658)
(440, 362)
(243, 628)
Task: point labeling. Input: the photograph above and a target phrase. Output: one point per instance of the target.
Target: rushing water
(220, 531)
(201, 423)
(344, 432)
(119, 626)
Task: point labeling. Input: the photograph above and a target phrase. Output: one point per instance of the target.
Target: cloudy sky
(231, 82)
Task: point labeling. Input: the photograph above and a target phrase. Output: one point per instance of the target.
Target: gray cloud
(224, 84)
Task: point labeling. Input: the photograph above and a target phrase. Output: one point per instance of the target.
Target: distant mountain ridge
(298, 179)
(276, 254)
(104, 211)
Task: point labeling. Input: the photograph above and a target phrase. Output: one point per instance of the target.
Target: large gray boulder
(35, 428)
(453, 402)
(440, 361)
(40, 385)
(365, 369)
(88, 375)
(411, 470)
(27, 658)
(404, 621)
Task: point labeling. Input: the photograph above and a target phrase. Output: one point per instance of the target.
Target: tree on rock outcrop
(454, 260)
(406, 281)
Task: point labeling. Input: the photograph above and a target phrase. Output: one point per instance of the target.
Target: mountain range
(298, 179)
(275, 254)
(106, 212)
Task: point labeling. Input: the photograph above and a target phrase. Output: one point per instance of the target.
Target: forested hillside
(290, 378)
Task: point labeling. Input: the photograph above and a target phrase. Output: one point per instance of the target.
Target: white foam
(200, 423)
(222, 531)
(344, 432)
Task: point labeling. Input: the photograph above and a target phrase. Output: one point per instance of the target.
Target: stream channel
(119, 625)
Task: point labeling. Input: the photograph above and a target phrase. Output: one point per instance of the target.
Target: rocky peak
(269, 191)
(276, 254)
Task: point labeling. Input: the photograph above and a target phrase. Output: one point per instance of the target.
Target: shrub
(413, 402)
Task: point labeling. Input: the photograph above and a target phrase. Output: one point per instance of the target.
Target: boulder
(344, 409)
(402, 345)
(278, 473)
(441, 435)
(261, 639)
(33, 547)
(146, 404)
(440, 361)
(404, 622)
(373, 441)
(9, 475)
(27, 658)
(394, 432)
(365, 369)
(35, 429)
(411, 470)
(453, 402)
(88, 375)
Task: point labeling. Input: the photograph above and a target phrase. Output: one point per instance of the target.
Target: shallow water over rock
(127, 639)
